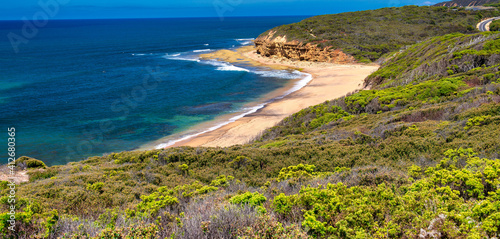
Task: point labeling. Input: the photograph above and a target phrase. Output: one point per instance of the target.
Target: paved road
(482, 25)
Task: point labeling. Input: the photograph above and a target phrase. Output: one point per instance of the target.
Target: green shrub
(30, 162)
(43, 174)
(323, 118)
(222, 181)
(477, 121)
(108, 218)
(95, 186)
(151, 204)
(50, 222)
(300, 171)
(439, 90)
(192, 190)
(274, 144)
(283, 204)
(248, 198)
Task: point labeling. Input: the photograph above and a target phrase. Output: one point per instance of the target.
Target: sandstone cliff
(270, 45)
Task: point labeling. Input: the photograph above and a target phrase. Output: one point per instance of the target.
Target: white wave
(280, 74)
(215, 63)
(206, 44)
(177, 57)
(224, 66)
(299, 84)
(231, 120)
(204, 50)
(245, 41)
(231, 68)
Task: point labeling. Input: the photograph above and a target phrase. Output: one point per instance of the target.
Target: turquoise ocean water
(82, 88)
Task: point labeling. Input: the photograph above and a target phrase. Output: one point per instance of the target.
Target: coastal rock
(294, 50)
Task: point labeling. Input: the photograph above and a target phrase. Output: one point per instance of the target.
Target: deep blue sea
(83, 88)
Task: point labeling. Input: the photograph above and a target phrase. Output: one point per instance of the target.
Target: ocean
(82, 88)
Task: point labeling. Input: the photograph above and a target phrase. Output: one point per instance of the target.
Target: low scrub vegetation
(416, 156)
(495, 25)
(370, 35)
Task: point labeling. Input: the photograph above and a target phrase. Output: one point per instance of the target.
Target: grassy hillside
(415, 155)
(466, 3)
(470, 57)
(368, 35)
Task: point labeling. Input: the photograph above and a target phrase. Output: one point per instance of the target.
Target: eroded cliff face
(279, 46)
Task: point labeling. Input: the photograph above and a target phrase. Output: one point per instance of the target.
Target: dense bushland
(414, 156)
(369, 35)
(495, 25)
(470, 58)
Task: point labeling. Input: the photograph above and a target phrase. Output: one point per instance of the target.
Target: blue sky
(78, 9)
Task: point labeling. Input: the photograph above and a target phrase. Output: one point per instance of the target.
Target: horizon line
(137, 18)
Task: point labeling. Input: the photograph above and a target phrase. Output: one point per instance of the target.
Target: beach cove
(328, 81)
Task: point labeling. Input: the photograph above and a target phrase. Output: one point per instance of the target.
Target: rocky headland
(271, 45)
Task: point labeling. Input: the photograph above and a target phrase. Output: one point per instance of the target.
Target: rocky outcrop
(279, 46)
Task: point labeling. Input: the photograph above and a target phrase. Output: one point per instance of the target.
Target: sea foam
(284, 74)
(231, 120)
(224, 66)
(245, 41)
(178, 56)
(203, 50)
(299, 84)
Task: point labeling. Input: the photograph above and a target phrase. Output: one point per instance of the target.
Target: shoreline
(322, 82)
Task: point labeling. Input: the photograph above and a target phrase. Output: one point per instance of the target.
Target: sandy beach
(329, 81)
